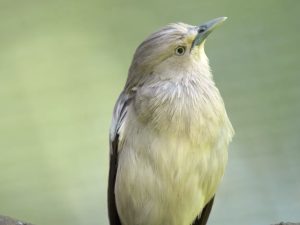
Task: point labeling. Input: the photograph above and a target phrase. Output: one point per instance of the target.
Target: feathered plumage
(169, 134)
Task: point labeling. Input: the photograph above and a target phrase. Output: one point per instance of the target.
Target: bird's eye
(180, 50)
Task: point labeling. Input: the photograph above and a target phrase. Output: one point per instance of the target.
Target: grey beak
(205, 29)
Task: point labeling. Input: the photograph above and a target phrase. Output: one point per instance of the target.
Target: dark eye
(180, 50)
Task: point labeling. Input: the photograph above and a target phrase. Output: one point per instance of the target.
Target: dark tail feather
(205, 213)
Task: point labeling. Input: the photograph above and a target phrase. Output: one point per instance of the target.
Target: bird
(169, 133)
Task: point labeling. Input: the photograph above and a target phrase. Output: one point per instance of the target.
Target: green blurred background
(63, 64)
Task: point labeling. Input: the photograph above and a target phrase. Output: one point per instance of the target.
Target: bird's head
(172, 51)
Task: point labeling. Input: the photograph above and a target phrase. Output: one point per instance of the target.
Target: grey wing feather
(118, 118)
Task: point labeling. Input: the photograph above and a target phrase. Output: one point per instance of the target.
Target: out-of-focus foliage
(63, 64)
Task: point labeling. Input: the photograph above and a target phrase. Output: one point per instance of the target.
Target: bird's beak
(205, 29)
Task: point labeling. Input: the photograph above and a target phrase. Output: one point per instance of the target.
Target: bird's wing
(118, 119)
(205, 213)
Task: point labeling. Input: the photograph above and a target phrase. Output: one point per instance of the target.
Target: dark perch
(5, 220)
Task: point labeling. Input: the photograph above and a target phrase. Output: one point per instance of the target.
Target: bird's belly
(166, 179)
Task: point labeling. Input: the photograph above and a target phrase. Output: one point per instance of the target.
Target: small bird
(169, 133)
